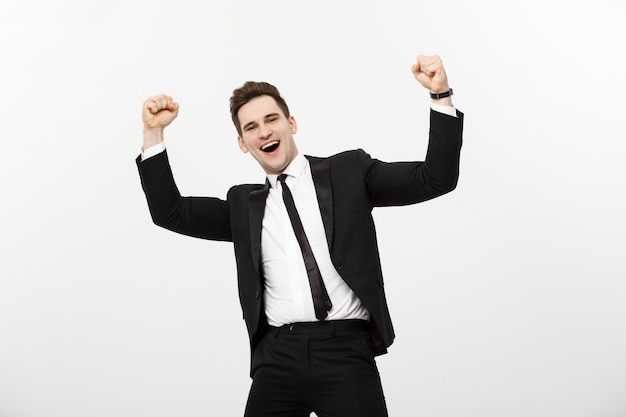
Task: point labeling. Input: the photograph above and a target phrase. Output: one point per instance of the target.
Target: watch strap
(445, 94)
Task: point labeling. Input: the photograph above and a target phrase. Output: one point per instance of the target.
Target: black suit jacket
(348, 185)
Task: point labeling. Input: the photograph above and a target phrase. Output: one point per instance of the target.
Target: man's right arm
(203, 217)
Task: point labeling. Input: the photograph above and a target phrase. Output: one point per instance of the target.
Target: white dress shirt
(288, 296)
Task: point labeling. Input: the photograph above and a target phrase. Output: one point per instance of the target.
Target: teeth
(267, 145)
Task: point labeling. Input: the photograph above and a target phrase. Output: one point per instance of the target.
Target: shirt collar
(296, 169)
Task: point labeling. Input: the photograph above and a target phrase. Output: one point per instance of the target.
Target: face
(267, 134)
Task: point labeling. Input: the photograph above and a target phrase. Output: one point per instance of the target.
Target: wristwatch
(445, 94)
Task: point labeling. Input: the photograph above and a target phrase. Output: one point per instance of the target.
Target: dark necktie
(321, 300)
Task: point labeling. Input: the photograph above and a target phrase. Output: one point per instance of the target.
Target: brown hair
(250, 90)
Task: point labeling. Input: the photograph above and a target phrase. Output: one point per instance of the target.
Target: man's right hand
(158, 112)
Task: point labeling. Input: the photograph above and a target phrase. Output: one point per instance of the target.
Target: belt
(329, 326)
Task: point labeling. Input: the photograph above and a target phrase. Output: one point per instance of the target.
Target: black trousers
(322, 367)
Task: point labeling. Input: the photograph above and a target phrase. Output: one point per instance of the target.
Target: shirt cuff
(152, 151)
(449, 110)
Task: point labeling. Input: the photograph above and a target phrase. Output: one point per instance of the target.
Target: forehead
(258, 108)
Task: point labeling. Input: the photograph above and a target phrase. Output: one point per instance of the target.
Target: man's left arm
(411, 182)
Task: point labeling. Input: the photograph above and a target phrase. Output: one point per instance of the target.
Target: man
(309, 275)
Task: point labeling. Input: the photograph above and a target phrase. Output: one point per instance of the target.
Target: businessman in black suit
(309, 274)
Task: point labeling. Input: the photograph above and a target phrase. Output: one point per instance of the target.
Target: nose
(265, 131)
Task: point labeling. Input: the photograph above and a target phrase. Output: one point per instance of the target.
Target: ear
(242, 144)
(293, 124)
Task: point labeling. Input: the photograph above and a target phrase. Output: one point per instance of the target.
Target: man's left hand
(429, 71)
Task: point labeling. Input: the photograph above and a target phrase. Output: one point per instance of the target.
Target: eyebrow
(267, 116)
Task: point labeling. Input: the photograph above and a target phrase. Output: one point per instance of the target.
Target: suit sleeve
(401, 183)
(202, 217)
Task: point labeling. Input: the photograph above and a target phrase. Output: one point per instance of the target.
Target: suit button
(258, 293)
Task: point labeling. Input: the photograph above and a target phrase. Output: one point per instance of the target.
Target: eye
(273, 118)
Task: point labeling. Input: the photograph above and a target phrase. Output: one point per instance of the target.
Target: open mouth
(270, 146)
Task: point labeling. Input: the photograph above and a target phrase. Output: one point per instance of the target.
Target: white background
(508, 295)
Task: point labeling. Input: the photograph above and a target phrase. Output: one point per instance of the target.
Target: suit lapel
(257, 209)
(320, 171)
